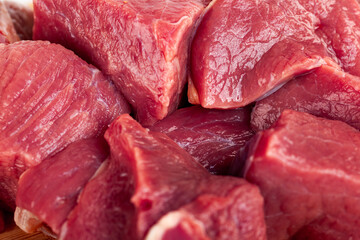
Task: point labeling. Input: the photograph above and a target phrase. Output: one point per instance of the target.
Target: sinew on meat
(147, 176)
(48, 98)
(48, 192)
(212, 137)
(307, 169)
(143, 45)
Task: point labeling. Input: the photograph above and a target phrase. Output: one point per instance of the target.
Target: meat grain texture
(49, 98)
(212, 137)
(149, 175)
(243, 50)
(327, 92)
(48, 192)
(142, 45)
(308, 171)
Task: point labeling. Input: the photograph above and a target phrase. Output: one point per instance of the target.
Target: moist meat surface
(49, 191)
(307, 169)
(212, 137)
(49, 98)
(142, 45)
(326, 92)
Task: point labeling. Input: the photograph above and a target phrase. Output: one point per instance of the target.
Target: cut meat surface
(48, 98)
(49, 190)
(147, 176)
(308, 169)
(245, 49)
(340, 28)
(142, 45)
(212, 137)
(229, 209)
(7, 30)
(327, 92)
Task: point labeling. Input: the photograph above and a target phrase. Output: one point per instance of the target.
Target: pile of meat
(98, 139)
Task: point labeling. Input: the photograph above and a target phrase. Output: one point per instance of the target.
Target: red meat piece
(48, 98)
(308, 169)
(229, 209)
(147, 176)
(48, 192)
(340, 28)
(327, 92)
(212, 137)
(242, 50)
(142, 45)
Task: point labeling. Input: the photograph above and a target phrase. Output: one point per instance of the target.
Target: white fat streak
(26, 220)
(169, 221)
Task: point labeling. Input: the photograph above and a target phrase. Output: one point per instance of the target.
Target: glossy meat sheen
(327, 92)
(141, 44)
(147, 176)
(244, 49)
(48, 98)
(212, 137)
(340, 28)
(231, 208)
(308, 169)
(7, 30)
(50, 190)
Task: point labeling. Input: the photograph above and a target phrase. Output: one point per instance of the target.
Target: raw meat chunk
(7, 30)
(212, 137)
(242, 50)
(146, 176)
(49, 190)
(340, 28)
(22, 18)
(223, 212)
(308, 171)
(141, 44)
(327, 92)
(48, 98)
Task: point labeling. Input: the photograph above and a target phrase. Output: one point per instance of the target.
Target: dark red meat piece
(212, 137)
(141, 44)
(7, 30)
(48, 98)
(49, 190)
(224, 211)
(327, 92)
(244, 49)
(147, 176)
(308, 171)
